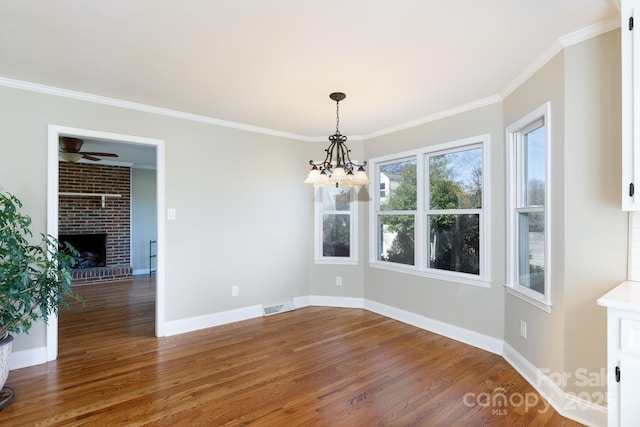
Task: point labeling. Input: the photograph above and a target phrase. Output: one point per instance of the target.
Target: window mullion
(421, 229)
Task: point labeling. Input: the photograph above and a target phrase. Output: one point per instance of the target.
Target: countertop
(625, 296)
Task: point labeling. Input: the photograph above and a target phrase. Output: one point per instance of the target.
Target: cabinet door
(630, 51)
(629, 392)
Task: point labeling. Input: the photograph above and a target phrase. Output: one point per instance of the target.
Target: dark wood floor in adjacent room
(314, 366)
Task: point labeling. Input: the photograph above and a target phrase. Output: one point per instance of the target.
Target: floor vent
(278, 308)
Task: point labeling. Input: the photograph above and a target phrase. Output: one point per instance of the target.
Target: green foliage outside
(454, 239)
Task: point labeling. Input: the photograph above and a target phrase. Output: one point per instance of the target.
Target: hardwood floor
(315, 366)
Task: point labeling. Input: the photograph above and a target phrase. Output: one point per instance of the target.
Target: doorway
(54, 133)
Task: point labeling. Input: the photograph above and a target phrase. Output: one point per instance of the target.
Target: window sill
(534, 302)
(451, 277)
(337, 261)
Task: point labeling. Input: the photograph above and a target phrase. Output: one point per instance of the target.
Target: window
(431, 218)
(528, 189)
(455, 206)
(335, 228)
(396, 221)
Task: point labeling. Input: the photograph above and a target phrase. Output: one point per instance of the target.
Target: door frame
(54, 132)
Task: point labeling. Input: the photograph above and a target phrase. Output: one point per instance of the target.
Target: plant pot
(6, 393)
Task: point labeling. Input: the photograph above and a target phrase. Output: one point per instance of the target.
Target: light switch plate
(171, 214)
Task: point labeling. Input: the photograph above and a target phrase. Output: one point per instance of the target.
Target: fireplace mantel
(101, 195)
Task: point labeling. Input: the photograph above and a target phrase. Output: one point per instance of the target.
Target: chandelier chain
(337, 117)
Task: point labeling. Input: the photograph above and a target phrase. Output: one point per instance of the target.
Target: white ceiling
(273, 63)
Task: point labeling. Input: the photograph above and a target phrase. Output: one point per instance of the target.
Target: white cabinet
(630, 56)
(623, 354)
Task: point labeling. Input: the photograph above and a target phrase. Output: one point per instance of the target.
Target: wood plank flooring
(315, 366)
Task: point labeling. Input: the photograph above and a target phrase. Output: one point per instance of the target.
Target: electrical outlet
(235, 291)
(338, 280)
(523, 329)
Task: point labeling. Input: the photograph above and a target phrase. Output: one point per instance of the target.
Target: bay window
(431, 218)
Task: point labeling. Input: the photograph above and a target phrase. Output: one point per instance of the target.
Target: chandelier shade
(337, 168)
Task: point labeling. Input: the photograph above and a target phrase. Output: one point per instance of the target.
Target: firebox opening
(92, 249)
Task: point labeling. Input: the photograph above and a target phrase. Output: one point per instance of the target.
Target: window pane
(531, 250)
(336, 235)
(399, 183)
(454, 243)
(396, 238)
(336, 199)
(533, 164)
(456, 180)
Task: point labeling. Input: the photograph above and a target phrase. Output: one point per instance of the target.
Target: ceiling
(273, 63)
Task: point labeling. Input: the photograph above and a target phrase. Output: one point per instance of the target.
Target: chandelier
(337, 168)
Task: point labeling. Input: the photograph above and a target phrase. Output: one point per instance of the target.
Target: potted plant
(34, 279)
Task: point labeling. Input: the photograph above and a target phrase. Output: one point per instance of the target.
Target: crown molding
(437, 116)
(97, 99)
(556, 47)
(590, 31)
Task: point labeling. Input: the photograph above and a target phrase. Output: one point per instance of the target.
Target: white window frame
(353, 229)
(421, 267)
(514, 137)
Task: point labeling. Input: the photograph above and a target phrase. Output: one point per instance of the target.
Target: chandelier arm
(344, 156)
(341, 168)
(325, 164)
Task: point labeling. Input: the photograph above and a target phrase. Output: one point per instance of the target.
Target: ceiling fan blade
(91, 153)
(88, 157)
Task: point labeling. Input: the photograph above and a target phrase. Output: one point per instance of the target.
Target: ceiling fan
(70, 150)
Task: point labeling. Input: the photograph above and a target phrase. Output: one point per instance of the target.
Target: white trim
(54, 132)
(557, 47)
(328, 301)
(181, 326)
(537, 64)
(591, 31)
(543, 302)
(475, 339)
(97, 99)
(318, 212)
(31, 357)
(493, 99)
(566, 404)
(526, 298)
(449, 276)
(421, 212)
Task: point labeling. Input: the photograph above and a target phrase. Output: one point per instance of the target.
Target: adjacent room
(468, 201)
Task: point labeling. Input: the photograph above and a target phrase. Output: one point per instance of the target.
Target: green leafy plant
(35, 279)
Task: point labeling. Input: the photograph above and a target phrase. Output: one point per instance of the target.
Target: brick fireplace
(85, 222)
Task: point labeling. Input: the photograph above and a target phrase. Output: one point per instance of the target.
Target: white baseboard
(328, 301)
(140, 271)
(26, 358)
(191, 324)
(476, 339)
(567, 405)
